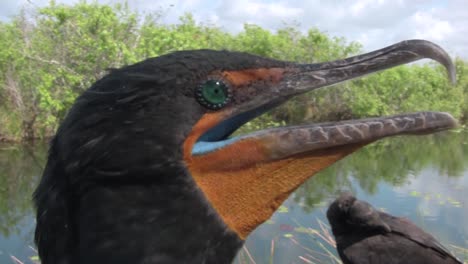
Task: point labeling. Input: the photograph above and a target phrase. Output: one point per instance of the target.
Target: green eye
(213, 94)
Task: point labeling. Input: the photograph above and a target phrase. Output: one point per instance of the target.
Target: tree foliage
(50, 56)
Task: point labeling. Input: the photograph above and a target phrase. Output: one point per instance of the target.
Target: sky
(373, 23)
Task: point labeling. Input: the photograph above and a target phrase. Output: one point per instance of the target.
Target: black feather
(115, 188)
(365, 235)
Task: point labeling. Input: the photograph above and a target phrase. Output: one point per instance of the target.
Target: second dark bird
(365, 235)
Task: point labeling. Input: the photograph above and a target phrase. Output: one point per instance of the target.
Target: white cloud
(233, 14)
(374, 23)
(428, 26)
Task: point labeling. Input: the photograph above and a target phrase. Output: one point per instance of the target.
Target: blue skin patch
(216, 138)
(203, 147)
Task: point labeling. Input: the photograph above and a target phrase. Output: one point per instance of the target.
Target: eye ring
(213, 94)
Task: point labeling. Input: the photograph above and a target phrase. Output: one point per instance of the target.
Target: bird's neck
(151, 223)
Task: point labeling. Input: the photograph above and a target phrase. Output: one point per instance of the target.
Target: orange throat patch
(241, 181)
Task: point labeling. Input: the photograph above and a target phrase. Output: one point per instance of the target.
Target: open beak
(247, 177)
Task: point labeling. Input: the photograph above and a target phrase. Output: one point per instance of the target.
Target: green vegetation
(52, 54)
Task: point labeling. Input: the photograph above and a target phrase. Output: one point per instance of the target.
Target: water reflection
(19, 170)
(422, 178)
(394, 161)
(440, 200)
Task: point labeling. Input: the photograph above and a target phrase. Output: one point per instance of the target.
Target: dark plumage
(142, 169)
(115, 189)
(367, 236)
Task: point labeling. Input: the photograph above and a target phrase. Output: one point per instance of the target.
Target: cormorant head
(338, 212)
(168, 120)
(349, 215)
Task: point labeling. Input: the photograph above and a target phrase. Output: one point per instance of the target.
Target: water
(422, 178)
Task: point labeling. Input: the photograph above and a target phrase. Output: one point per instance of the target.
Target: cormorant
(367, 236)
(142, 169)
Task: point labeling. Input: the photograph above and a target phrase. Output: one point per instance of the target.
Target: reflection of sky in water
(439, 199)
(18, 243)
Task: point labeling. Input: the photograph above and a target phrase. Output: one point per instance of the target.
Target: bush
(51, 56)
